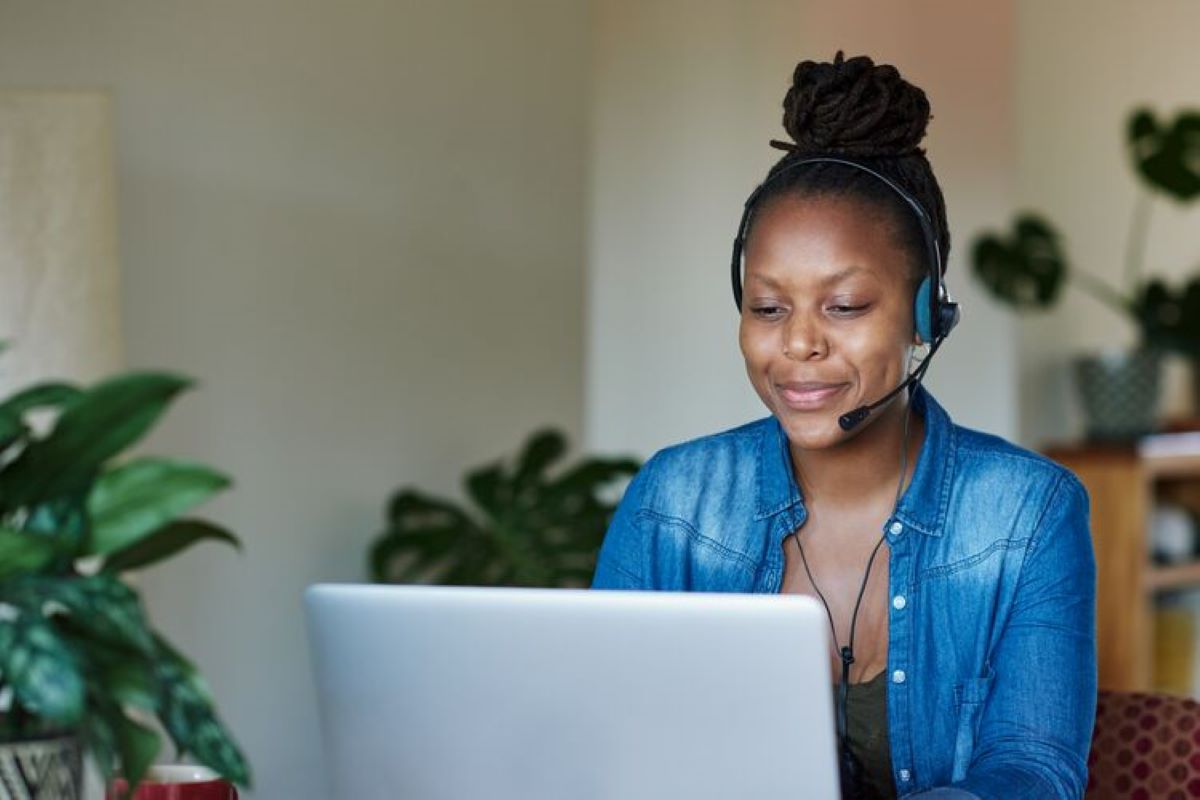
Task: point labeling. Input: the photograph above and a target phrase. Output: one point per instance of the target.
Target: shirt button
(898, 602)
(897, 528)
(905, 775)
(898, 676)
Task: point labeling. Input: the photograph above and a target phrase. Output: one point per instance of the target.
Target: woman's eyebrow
(840, 275)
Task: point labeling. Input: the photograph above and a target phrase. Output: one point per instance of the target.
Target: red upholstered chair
(1144, 747)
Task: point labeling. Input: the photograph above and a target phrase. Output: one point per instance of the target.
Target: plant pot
(1120, 393)
(49, 768)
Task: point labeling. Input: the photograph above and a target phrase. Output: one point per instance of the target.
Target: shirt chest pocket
(970, 696)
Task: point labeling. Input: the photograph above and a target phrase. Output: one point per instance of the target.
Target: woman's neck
(865, 468)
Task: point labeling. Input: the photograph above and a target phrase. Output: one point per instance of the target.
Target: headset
(935, 312)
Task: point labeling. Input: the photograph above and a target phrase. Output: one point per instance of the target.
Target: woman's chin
(813, 431)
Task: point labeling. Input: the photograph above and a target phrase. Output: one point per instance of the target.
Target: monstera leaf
(1168, 157)
(1171, 319)
(1025, 268)
(528, 528)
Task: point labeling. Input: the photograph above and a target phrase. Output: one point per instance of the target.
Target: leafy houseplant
(78, 657)
(1027, 268)
(528, 530)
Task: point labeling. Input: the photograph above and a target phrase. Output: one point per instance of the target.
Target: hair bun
(854, 107)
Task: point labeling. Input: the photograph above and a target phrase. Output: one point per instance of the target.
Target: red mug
(175, 782)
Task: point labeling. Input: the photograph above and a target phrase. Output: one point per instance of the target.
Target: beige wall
(360, 225)
(684, 105)
(364, 225)
(60, 310)
(1082, 67)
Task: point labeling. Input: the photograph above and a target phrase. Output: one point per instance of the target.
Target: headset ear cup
(948, 316)
(922, 321)
(736, 273)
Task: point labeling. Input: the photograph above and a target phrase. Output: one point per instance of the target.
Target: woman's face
(827, 322)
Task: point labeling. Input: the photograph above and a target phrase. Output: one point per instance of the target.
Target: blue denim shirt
(991, 627)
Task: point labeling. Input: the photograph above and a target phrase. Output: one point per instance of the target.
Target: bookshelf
(1125, 483)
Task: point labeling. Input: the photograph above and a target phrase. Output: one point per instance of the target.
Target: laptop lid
(544, 694)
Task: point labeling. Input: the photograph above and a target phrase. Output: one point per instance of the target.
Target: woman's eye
(766, 311)
(842, 309)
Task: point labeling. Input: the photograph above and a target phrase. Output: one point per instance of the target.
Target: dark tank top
(867, 734)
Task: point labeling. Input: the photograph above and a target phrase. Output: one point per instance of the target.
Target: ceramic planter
(49, 768)
(1120, 393)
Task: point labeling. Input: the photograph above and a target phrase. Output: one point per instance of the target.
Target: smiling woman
(820, 270)
(954, 566)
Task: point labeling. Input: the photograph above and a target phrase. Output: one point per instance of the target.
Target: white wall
(1082, 67)
(360, 225)
(684, 105)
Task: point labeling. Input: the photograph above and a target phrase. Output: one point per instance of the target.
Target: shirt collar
(923, 505)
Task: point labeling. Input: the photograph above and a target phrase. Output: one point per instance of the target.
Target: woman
(956, 568)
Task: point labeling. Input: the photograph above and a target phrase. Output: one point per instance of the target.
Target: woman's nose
(804, 338)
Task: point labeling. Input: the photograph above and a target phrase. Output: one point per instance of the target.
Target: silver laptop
(438, 693)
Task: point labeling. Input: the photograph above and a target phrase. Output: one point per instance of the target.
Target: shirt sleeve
(1036, 727)
(622, 560)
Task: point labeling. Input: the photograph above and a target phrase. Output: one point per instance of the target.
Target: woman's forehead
(822, 239)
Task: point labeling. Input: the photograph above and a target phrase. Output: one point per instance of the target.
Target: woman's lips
(809, 396)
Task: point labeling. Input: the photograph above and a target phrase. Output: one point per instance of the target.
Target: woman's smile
(810, 396)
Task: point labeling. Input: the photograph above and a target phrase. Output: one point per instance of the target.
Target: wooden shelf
(1125, 483)
(1175, 576)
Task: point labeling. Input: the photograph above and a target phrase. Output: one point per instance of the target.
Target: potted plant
(81, 668)
(1027, 269)
(528, 529)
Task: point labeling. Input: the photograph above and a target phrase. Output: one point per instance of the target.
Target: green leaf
(25, 553)
(489, 488)
(187, 714)
(543, 448)
(412, 509)
(41, 669)
(169, 655)
(1170, 319)
(472, 569)
(123, 745)
(534, 531)
(101, 742)
(166, 542)
(65, 520)
(590, 476)
(137, 744)
(422, 532)
(101, 604)
(1167, 157)
(43, 395)
(403, 556)
(138, 498)
(114, 611)
(131, 684)
(1026, 269)
(107, 419)
(12, 429)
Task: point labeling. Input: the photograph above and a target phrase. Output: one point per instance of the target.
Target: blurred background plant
(527, 528)
(1027, 268)
(78, 656)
